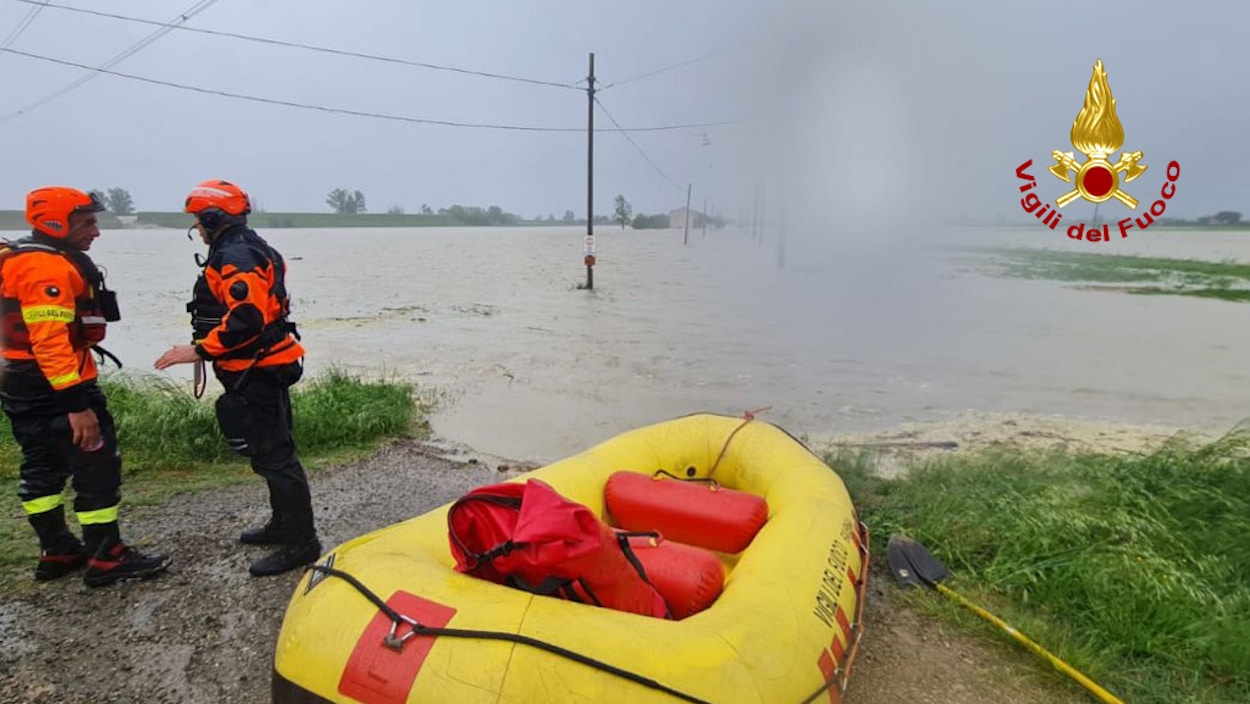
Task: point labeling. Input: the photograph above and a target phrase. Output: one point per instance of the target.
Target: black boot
(287, 558)
(60, 551)
(299, 544)
(269, 534)
(112, 560)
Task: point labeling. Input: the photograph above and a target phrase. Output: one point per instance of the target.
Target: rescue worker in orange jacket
(55, 308)
(239, 323)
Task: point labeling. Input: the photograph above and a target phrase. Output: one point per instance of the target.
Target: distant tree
(551, 217)
(346, 203)
(494, 215)
(1226, 217)
(118, 200)
(623, 211)
(569, 216)
(337, 199)
(395, 210)
(425, 210)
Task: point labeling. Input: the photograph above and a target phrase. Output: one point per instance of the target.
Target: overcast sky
(870, 109)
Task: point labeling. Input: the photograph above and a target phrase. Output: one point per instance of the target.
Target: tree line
(352, 202)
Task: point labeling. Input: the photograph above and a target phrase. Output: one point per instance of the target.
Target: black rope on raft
(421, 630)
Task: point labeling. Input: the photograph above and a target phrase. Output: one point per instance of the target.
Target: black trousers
(50, 459)
(264, 421)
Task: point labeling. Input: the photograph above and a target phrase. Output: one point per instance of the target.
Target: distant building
(677, 218)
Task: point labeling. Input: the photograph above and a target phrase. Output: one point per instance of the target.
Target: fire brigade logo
(1097, 134)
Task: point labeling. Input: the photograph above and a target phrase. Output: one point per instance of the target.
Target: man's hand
(178, 354)
(86, 429)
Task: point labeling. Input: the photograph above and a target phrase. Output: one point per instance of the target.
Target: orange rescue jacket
(54, 308)
(240, 305)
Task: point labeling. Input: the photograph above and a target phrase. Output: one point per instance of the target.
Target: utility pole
(781, 235)
(763, 211)
(705, 217)
(686, 238)
(589, 248)
(755, 213)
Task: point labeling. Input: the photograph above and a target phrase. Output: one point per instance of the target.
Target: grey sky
(872, 109)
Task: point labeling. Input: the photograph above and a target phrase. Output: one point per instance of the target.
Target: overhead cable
(94, 71)
(345, 111)
(308, 47)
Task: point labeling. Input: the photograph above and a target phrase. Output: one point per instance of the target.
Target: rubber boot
(60, 551)
(299, 547)
(269, 534)
(114, 561)
(272, 532)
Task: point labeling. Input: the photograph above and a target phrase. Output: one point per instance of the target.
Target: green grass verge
(1224, 280)
(1133, 569)
(170, 443)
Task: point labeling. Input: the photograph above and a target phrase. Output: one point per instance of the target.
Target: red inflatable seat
(690, 579)
(702, 514)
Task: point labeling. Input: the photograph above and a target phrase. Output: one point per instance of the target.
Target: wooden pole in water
(686, 237)
(781, 236)
(589, 248)
(755, 212)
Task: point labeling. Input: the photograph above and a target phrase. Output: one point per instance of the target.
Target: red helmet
(215, 193)
(48, 208)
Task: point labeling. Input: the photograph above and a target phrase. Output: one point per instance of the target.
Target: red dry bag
(530, 537)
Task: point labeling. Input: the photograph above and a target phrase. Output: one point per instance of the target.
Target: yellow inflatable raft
(783, 630)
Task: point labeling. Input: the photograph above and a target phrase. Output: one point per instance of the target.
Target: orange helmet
(48, 208)
(216, 193)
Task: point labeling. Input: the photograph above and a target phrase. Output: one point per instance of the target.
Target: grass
(1223, 280)
(170, 443)
(1133, 569)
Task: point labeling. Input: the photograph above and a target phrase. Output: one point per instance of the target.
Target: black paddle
(913, 565)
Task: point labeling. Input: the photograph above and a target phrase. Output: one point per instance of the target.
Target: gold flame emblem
(1097, 133)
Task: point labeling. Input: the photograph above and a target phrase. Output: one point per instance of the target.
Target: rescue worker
(55, 308)
(239, 323)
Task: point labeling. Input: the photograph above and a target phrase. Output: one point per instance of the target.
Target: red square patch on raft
(379, 675)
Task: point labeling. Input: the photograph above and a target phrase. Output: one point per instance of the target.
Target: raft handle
(397, 643)
(690, 472)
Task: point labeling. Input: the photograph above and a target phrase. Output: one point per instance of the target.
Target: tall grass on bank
(170, 442)
(1134, 569)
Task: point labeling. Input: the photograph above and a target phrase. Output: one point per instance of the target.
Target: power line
(344, 111)
(138, 46)
(631, 141)
(309, 47)
(26, 21)
(649, 73)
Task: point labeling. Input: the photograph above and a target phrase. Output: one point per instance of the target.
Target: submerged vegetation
(1135, 569)
(1224, 280)
(170, 442)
